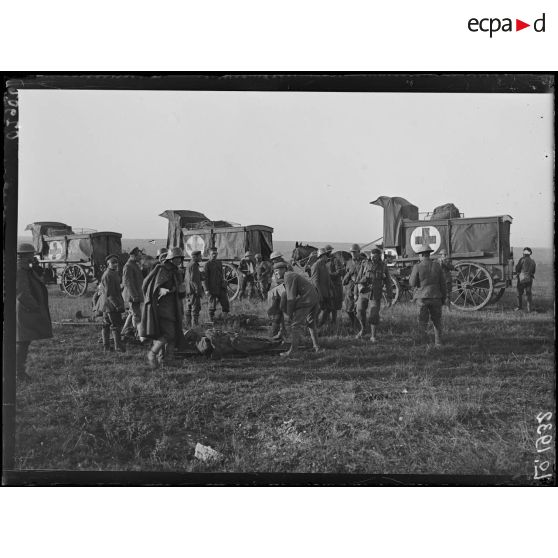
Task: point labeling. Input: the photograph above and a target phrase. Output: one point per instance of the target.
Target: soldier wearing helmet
(349, 282)
(215, 285)
(373, 276)
(194, 289)
(336, 267)
(132, 280)
(161, 254)
(247, 270)
(429, 281)
(161, 320)
(32, 312)
(525, 269)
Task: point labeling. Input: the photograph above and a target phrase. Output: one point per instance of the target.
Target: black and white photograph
(276, 278)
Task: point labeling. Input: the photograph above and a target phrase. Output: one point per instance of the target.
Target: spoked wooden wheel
(232, 279)
(74, 280)
(472, 286)
(395, 291)
(405, 292)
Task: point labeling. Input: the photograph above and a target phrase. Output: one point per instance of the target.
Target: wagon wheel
(497, 295)
(232, 279)
(405, 292)
(74, 280)
(395, 290)
(472, 286)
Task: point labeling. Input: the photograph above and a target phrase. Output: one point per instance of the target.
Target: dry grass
(397, 407)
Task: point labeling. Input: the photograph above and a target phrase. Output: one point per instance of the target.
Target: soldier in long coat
(161, 319)
(302, 305)
(132, 280)
(215, 285)
(349, 282)
(336, 272)
(194, 289)
(321, 279)
(277, 299)
(429, 281)
(110, 305)
(447, 268)
(373, 276)
(525, 269)
(32, 313)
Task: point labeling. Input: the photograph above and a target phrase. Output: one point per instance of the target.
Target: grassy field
(394, 407)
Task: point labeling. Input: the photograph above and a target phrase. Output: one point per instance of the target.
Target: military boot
(373, 333)
(105, 335)
(528, 306)
(118, 344)
(154, 353)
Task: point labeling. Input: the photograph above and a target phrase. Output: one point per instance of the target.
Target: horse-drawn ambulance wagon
(70, 259)
(192, 231)
(479, 248)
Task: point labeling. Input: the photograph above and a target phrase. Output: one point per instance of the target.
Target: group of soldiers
(160, 305)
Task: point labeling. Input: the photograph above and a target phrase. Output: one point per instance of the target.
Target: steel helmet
(25, 248)
(328, 248)
(174, 253)
(355, 248)
(275, 255)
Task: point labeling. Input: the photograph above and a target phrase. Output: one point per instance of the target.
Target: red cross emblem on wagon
(426, 235)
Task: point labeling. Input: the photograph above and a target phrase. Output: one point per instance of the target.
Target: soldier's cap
(174, 253)
(248, 254)
(161, 252)
(111, 257)
(25, 248)
(376, 251)
(280, 265)
(355, 248)
(443, 252)
(527, 250)
(135, 251)
(275, 255)
(328, 248)
(196, 253)
(424, 249)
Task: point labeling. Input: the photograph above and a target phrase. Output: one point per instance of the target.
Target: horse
(304, 256)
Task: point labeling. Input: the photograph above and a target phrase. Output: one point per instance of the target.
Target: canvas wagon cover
(231, 242)
(395, 210)
(93, 247)
(46, 228)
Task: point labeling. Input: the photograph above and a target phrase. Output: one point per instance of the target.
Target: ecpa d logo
(493, 25)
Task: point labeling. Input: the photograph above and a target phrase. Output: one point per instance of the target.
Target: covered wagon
(191, 230)
(73, 259)
(478, 246)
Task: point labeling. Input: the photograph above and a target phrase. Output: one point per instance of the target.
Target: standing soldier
(277, 299)
(215, 285)
(111, 304)
(247, 269)
(447, 268)
(320, 278)
(264, 271)
(132, 279)
(349, 281)
(161, 319)
(372, 276)
(430, 283)
(302, 305)
(32, 313)
(336, 272)
(194, 289)
(525, 269)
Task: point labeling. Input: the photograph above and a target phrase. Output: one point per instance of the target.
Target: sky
(306, 164)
